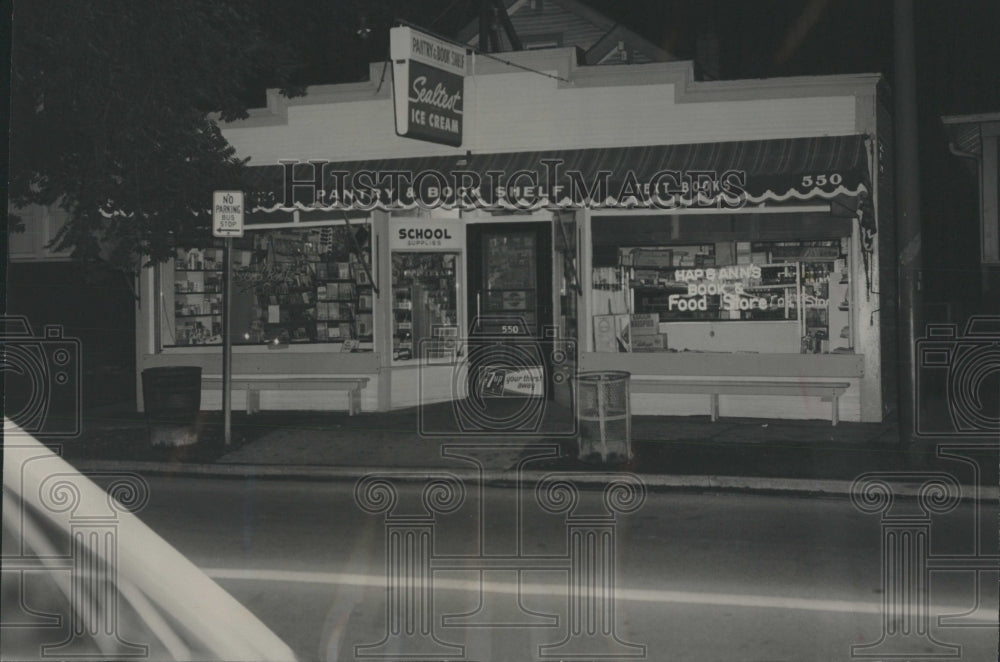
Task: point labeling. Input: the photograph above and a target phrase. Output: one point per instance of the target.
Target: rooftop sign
(428, 86)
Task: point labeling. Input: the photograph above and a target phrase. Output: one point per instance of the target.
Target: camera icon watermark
(958, 379)
(42, 379)
(500, 381)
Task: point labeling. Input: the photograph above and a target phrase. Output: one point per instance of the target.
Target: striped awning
(723, 174)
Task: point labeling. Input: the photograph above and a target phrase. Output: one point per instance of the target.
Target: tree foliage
(115, 103)
(112, 114)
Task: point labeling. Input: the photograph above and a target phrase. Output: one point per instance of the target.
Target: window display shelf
(659, 288)
(424, 299)
(776, 286)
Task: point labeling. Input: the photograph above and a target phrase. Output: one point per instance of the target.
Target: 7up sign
(227, 213)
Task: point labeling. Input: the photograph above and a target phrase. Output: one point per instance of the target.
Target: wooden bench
(254, 384)
(715, 388)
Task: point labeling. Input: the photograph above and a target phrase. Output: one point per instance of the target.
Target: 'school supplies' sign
(426, 234)
(428, 85)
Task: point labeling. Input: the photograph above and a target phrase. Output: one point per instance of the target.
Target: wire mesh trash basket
(604, 416)
(172, 393)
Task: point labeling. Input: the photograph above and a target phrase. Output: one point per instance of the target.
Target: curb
(511, 478)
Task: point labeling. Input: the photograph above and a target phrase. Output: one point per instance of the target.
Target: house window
(535, 42)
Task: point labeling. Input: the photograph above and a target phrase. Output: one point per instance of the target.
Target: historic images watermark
(415, 506)
(61, 589)
(319, 185)
(958, 380)
(42, 380)
(907, 503)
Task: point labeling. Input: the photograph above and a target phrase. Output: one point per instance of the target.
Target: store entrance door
(510, 309)
(510, 278)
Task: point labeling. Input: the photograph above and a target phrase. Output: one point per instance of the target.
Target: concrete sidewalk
(668, 452)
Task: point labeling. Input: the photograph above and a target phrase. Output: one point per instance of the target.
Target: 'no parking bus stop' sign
(227, 213)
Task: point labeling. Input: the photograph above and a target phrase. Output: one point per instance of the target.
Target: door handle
(478, 312)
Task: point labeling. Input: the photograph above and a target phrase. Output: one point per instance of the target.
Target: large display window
(424, 305)
(290, 286)
(727, 295)
(426, 256)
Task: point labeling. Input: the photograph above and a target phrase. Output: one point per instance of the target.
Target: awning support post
(570, 258)
(360, 254)
(908, 214)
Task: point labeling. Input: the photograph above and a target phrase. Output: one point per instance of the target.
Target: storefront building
(639, 219)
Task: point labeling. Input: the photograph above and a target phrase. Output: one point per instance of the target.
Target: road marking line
(622, 594)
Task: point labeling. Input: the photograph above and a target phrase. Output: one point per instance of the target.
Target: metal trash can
(604, 416)
(172, 399)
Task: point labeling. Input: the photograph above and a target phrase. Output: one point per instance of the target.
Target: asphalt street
(693, 576)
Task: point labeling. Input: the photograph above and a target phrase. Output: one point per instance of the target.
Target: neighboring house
(541, 24)
(41, 224)
(976, 140)
(94, 305)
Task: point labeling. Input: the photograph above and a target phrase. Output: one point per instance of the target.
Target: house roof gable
(562, 23)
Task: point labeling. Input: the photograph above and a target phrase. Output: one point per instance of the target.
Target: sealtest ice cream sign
(428, 86)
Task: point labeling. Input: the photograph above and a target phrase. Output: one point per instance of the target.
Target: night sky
(958, 62)
(958, 72)
(958, 40)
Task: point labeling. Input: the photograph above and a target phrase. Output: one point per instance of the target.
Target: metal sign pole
(227, 343)
(227, 222)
